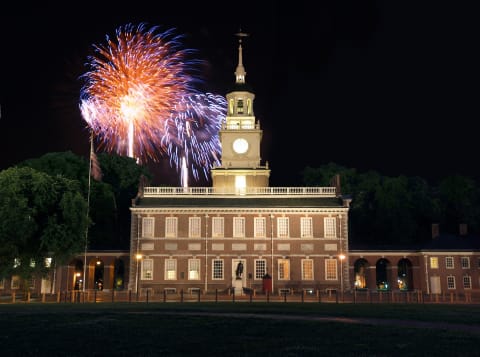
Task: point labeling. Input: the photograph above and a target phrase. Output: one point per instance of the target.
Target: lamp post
(206, 253)
(138, 257)
(342, 257)
(271, 248)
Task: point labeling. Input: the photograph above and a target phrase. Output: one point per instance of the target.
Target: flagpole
(88, 211)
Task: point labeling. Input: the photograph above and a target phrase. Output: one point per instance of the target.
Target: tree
(42, 217)
(110, 199)
(458, 202)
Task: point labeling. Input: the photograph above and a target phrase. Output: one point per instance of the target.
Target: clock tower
(240, 138)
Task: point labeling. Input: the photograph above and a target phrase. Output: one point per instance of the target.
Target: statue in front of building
(239, 271)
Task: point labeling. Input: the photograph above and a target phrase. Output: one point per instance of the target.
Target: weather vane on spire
(241, 34)
(240, 71)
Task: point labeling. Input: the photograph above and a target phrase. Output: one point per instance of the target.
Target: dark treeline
(401, 210)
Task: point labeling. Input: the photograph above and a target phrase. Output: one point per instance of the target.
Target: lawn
(238, 329)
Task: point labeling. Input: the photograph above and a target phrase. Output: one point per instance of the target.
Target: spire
(240, 71)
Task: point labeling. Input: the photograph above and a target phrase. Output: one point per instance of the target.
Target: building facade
(240, 233)
(243, 235)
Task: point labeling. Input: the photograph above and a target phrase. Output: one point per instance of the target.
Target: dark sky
(384, 86)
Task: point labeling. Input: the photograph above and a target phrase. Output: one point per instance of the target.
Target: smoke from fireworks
(140, 100)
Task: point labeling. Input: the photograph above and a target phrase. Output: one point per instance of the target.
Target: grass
(240, 329)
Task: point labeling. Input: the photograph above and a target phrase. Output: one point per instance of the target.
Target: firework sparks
(191, 134)
(140, 100)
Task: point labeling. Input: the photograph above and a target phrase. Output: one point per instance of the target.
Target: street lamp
(342, 257)
(271, 249)
(206, 253)
(138, 257)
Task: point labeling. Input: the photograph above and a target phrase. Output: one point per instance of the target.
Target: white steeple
(240, 71)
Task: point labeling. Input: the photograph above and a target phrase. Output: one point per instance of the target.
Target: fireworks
(140, 100)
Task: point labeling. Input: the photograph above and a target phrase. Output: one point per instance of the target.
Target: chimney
(463, 229)
(435, 230)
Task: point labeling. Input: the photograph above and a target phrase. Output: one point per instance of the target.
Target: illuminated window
(171, 227)
(306, 227)
(330, 230)
(307, 269)
(170, 269)
(240, 184)
(331, 269)
(194, 227)
(48, 262)
(217, 269)
(449, 262)
(147, 269)
(260, 268)
(434, 262)
(193, 269)
(148, 227)
(260, 227)
(15, 284)
(217, 227)
(2, 283)
(467, 282)
(282, 227)
(465, 261)
(283, 269)
(16, 262)
(239, 227)
(450, 282)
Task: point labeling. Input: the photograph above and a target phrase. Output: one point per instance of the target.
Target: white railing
(249, 191)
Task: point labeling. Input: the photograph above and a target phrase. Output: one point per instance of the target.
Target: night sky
(390, 87)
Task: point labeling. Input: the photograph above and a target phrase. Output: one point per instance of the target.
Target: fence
(246, 295)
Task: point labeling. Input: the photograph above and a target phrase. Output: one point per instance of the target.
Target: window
(306, 227)
(170, 227)
(15, 282)
(467, 282)
(16, 262)
(193, 269)
(331, 269)
(282, 227)
(2, 283)
(307, 269)
(260, 268)
(147, 269)
(240, 184)
(170, 269)
(31, 283)
(434, 262)
(330, 230)
(450, 282)
(240, 106)
(260, 227)
(148, 227)
(465, 261)
(48, 262)
(283, 269)
(217, 269)
(217, 227)
(449, 262)
(194, 227)
(238, 226)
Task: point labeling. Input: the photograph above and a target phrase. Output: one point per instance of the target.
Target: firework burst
(140, 100)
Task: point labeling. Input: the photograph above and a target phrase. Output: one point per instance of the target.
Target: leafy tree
(110, 199)
(458, 202)
(42, 217)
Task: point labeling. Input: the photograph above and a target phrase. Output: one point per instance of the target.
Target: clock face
(240, 146)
